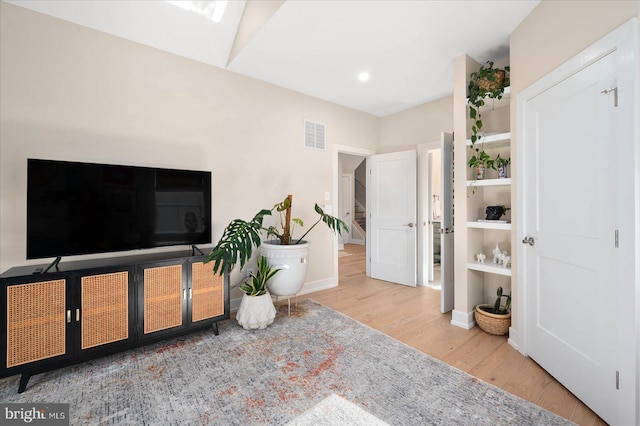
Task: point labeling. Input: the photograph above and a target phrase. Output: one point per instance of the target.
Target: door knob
(410, 225)
(529, 240)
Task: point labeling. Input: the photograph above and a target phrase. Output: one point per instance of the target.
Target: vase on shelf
(502, 171)
(480, 172)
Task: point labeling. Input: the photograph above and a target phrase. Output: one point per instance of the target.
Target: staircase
(361, 217)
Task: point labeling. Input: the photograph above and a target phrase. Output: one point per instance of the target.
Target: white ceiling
(318, 47)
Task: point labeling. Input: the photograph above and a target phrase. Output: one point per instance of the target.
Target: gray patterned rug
(315, 367)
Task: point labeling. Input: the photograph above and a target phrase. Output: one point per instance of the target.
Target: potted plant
(487, 82)
(480, 161)
(284, 252)
(496, 318)
(256, 309)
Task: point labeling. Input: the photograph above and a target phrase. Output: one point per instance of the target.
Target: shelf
(489, 182)
(491, 104)
(489, 225)
(490, 268)
(494, 140)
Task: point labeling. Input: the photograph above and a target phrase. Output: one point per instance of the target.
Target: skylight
(210, 9)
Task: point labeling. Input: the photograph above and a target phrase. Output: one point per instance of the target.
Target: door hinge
(615, 95)
(617, 380)
(617, 239)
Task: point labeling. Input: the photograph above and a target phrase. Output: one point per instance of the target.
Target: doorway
(350, 201)
(432, 208)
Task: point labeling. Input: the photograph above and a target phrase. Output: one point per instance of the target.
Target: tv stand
(195, 248)
(52, 264)
(62, 317)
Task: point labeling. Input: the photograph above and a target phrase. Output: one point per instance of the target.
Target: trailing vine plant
(487, 82)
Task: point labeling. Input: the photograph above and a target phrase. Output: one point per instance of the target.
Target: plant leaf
(236, 244)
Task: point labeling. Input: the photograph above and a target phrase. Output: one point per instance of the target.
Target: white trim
(313, 286)
(464, 320)
(624, 39)
(513, 338)
(310, 287)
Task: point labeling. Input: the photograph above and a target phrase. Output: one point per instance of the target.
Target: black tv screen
(82, 208)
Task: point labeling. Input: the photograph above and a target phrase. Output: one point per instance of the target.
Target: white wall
(406, 129)
(72, 93)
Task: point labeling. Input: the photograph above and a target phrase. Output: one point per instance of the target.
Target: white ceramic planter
(292, 260)
(256, 312)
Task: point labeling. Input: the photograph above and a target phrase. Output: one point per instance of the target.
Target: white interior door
(446, 223)
(570, 213)
(392, 206)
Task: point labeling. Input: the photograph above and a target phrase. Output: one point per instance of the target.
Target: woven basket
(490, 86)
(492, 323)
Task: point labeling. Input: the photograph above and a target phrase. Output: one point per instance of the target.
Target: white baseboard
(356, 241)
(235, 304)
(464, 320)
(514, 340)
(310, 287)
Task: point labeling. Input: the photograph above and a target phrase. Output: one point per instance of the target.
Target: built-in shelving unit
(483, 236)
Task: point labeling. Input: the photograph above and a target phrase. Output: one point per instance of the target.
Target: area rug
(315, 360)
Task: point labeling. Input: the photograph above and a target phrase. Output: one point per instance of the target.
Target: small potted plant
(284, 252)
(496, 318)
(256, 309)
(487, 82)
(480, 161)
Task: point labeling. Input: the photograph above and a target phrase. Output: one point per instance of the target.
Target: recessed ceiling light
(364, 76)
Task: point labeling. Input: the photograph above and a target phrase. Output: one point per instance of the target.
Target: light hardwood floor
(412, 315)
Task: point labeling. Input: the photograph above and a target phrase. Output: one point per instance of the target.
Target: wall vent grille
(314, 135)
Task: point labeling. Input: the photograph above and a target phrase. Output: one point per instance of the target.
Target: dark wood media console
(88, 309)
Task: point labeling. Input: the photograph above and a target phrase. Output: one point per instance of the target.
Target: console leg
(24, 379)
(215, 328)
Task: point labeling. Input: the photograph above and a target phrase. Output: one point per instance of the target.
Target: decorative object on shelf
(496, 212)
(504, 259)
(487, 82)
(495, 319)
(480, 257)
(480, 161)
(241, 237)
(256, 309)
(500, 257)
(501, 166)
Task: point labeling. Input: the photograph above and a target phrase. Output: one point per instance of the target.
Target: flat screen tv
(82, 208)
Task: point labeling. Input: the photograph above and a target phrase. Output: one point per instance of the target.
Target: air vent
(314, 135)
